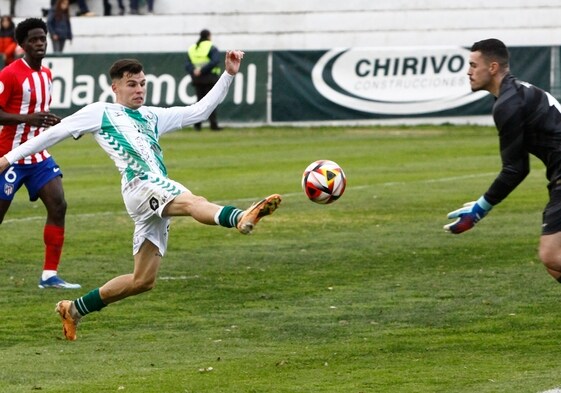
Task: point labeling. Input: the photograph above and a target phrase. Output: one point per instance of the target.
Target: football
(324, 181)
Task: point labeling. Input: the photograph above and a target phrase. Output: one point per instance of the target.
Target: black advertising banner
(381, 83)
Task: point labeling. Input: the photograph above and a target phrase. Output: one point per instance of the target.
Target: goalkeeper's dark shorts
(551, 222)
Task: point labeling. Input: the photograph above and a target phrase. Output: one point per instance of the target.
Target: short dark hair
(23, 28)
(125, 66)
(493, 50)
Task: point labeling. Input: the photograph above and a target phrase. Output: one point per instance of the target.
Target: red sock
(54, 239)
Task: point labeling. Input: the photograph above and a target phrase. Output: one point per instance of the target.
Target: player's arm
(37, 119)
(44, 140)
(515, 167)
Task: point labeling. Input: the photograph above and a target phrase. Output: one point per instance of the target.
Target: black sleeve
(509, 116)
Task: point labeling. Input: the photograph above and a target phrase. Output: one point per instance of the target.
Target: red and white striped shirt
(23, 91)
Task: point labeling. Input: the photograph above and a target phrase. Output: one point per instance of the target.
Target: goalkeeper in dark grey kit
(528, 120)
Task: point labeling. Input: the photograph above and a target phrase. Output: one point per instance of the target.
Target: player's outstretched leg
(70, 320)
(256, 211)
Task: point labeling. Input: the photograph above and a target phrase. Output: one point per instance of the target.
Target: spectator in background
(202, 64)
(134, 4)
(107, 7)
(12, 8)
(58, 22)
(84, 10)
(8, 44)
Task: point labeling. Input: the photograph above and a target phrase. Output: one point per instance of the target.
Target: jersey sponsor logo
(396, 81)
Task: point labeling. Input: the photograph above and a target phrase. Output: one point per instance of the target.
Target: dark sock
(90, 302)
(229, 216)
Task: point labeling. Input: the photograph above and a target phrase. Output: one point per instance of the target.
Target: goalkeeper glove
(468, 216)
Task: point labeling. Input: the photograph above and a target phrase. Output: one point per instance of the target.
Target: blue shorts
(33, 176)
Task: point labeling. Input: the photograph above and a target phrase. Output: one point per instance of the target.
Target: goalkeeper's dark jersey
(529, 122)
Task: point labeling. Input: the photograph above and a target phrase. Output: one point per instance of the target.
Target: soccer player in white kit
(129, 131)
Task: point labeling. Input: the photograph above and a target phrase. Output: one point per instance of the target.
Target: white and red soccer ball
(324, 181)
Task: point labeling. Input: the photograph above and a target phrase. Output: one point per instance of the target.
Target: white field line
(178, 278)
(388, 184)
(79, 215)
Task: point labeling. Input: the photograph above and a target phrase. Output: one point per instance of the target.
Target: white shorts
(145, 199)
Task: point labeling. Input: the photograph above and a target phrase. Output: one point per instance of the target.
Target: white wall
(312, 24)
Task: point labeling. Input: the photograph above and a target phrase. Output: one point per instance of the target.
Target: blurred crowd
(8, 45)
(58, 21)
(110, 7)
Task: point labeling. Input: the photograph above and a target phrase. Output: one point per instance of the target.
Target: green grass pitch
(368, 294)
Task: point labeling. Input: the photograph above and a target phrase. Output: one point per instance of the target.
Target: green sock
(228, 216)
(90, 302)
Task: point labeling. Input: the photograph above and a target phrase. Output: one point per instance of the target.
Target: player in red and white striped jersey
(25, 95)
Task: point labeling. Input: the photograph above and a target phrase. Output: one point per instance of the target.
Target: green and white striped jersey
(130, 137)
